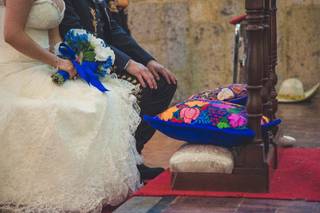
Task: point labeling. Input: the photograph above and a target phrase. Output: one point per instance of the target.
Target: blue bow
(86, 69)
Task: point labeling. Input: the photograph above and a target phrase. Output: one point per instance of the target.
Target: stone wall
(194, 39)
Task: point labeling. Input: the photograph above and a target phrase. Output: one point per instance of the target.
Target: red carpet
(298, 177)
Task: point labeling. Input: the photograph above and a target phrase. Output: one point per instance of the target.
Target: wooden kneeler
(255, 161)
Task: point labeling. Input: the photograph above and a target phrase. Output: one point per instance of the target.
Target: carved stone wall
(194, 39)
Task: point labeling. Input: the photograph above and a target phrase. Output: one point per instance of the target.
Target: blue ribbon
(86, 69)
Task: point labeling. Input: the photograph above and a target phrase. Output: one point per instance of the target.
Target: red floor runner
(298, 177)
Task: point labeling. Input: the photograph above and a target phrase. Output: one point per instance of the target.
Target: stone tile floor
(299, 120)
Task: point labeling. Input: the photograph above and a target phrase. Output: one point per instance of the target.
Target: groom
(158, 83)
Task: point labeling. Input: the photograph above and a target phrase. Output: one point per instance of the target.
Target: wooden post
(274, 56)
(255, 65)
(267, 84)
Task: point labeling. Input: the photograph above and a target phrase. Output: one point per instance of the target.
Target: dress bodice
(44, 15)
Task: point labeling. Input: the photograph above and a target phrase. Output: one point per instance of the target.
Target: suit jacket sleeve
(72, 20)
(124, 42)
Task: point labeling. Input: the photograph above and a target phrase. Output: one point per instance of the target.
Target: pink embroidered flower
(189, 114)
(237, 120)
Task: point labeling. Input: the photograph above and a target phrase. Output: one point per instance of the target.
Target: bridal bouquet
(90, 56)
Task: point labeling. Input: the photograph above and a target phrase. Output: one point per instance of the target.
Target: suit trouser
(153, 102)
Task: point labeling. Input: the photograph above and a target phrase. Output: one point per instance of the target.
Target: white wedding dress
(62, 148)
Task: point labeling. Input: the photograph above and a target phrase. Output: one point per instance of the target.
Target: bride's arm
(54, 38)
(17, 12)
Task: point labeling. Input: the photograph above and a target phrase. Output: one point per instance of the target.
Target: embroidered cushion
(234, 93)
(202, 158)
(207, 122)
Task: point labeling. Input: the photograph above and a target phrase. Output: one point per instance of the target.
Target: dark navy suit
(119, 14)
(94, 16)
(79, 14)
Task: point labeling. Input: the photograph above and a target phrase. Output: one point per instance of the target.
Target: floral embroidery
(215, 113)
(203, 112)
(222, 106)
(196, 103)
(237, 120)
(203, 119)
(222, 125)
(225, 94)
(232, 91)
(239, 88)
(176, 120)
(167, 115)
(189, 114)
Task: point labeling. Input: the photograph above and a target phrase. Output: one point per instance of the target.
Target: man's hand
(157, 69)
(142, 74)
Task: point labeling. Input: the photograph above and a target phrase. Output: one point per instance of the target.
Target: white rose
(111, 53)
(96, 42)
(102, 53)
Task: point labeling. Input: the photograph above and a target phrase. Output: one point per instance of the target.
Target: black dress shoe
(148, 173)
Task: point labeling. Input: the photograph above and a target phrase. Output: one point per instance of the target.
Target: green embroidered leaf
(235, 110)
(224, 120)
(222, 125)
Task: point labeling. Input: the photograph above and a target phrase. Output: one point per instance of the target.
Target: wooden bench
(256, 160)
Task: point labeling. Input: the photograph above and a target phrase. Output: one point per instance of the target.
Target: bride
(68, 148)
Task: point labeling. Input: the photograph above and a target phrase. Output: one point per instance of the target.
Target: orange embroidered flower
(168, 114)
(237, 88)
(196, 103)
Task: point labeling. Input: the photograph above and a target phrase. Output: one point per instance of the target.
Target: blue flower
(203, 118)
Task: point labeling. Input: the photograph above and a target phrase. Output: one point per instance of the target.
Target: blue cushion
(207, 122)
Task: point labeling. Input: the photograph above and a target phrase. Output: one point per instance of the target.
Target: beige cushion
(202, 158)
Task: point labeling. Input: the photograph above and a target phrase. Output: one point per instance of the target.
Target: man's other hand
(157, 69)
(142, 73)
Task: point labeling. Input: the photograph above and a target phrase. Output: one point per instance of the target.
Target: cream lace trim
(93, 203)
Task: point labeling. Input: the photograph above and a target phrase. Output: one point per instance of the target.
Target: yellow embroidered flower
(196, 103)
(168, 114)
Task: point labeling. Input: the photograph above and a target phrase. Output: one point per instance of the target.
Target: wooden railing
(254, 64)
(255, 160)
(261, 31)
(274, 56)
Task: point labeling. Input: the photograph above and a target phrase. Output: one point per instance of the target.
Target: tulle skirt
(64, 148)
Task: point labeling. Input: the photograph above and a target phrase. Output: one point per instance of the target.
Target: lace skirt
(68, 148)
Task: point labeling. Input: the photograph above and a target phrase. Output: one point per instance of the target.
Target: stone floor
(299, 120)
